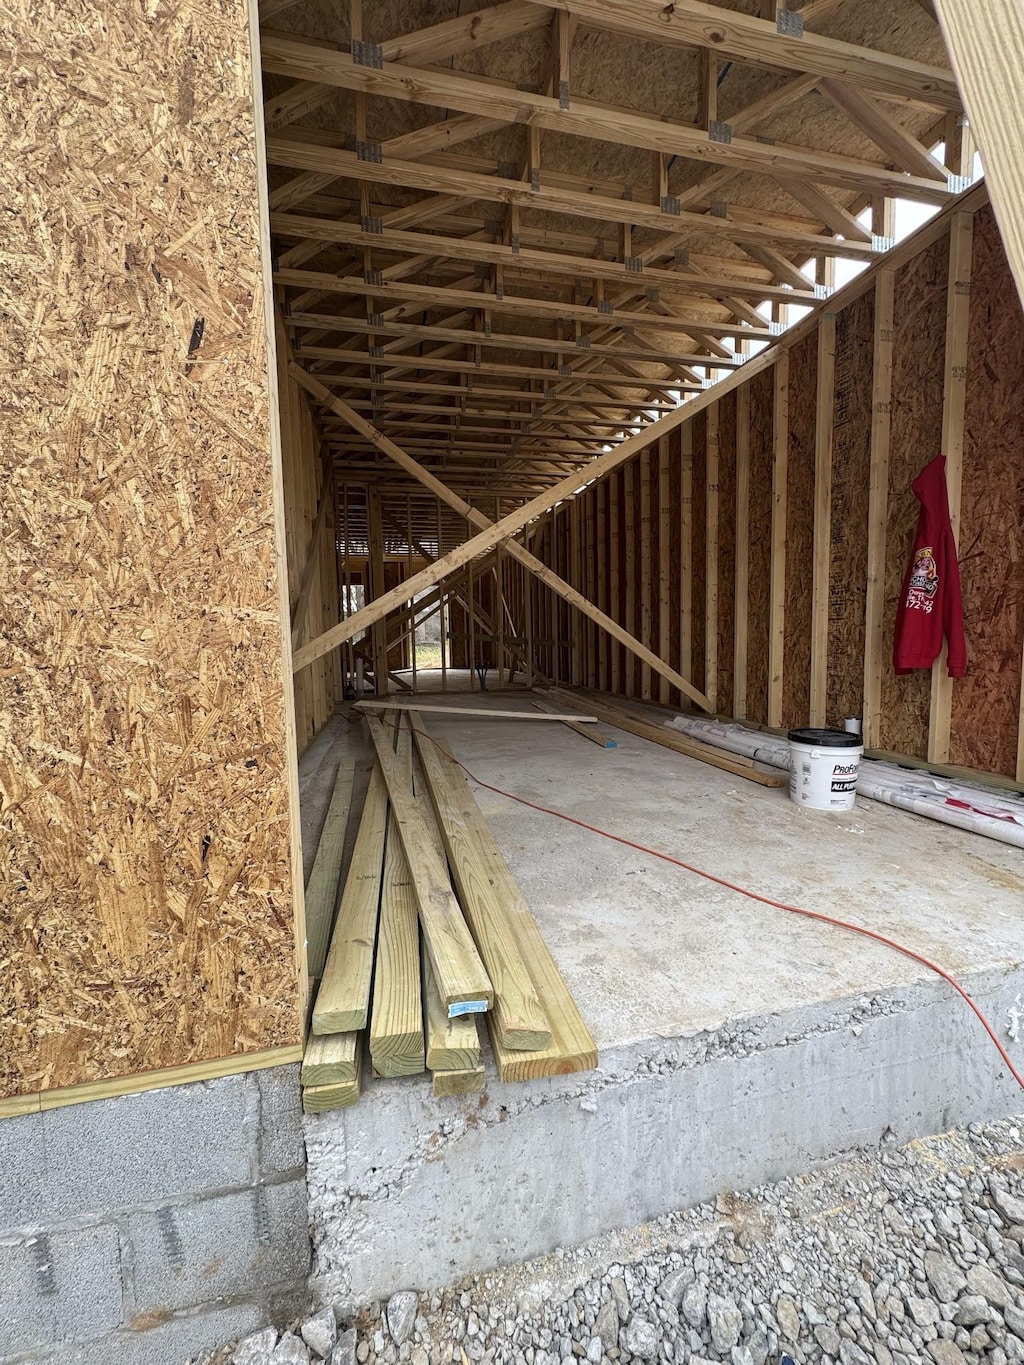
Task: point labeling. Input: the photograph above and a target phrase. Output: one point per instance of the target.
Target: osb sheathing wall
(319, 687)
(147, 914)
(718, 628)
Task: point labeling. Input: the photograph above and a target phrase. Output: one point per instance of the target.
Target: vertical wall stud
(646, 569)
(686, 551)
(742, 589)
(664, 566)
(878, 507)
(824, 420)
(711, 558)
(777, 598)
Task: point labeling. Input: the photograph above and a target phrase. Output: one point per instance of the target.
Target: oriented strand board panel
(985, 702)
(762, 404)
(147, 876)
(918, 355)
(851, 458)
(803, 393)
(726, 549)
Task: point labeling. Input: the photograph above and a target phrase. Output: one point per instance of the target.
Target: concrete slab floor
(651, 951)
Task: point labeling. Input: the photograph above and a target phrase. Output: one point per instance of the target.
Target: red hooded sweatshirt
(930, 605)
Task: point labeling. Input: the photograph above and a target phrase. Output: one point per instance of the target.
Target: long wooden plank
(317, 1099)
(519, 1018)
(330, 1060)
(396, 1020)
(597, 737)
(478, 712)
(452, 1044)
(572, 1047)
(343, 1001)
(711, 461)
(322, 887)
(673, 739)
(878, 503)
(777, 601)
(450, 1083)
(954, 399)
(824, 419)
(686, 550)
(461, 977)
(741, 590)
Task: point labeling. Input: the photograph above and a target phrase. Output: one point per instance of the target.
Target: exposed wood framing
(878, 497)
(824, 416)
(712, 456)
(741, 595)
(777, 600)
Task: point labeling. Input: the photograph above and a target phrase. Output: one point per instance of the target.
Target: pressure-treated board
(478, 712)
(343, 1000)
(330, 1060)
(484, 886)
(322, 887)
(461, 976)
(148, 744)
(572, 1048)
(317, 1099)
(451, 1044)
(396, 1020)
(590, 732)
(446, 1084)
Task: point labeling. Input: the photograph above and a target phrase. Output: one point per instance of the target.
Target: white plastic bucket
(825, 765)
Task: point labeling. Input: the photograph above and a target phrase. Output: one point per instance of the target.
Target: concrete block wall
(153, 1227)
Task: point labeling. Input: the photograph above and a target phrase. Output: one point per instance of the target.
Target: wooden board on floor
(396, 1021)
(343, 1001)
(452, 1044)
(469, 1082)
(461, 976)
(519, 1018)
(675, 740)
(480, 712)
(572, 1048)
(330, 1060)
(322, 887)
(597, 737)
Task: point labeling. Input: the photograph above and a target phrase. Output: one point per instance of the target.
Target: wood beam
(740, 37)
(777, 595)
(884, 131)
(878, 506)
(824, 419)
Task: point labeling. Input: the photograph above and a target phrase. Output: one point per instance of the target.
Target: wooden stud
(954, 396)
(777, 609)
(597, 737)
(378, 631)
(711, 558)
(646, 570)
(824, 418)
(330, 1060)
(452, 1044)
(630, 501)
(446, 1084)
(664, 562)
(741, 592)
(318, 1099)
(576, 578)
(460, 974)
(686, 552)
(343, 1000)
(615, 577)
(519, 1018)
(878, 506)
(603, 494)
(414, 704)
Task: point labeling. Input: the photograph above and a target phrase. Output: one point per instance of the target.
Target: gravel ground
(898, 1255)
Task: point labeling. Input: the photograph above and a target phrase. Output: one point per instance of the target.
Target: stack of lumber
(618, 711)
(433, 937)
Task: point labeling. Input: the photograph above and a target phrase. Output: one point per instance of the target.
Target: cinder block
(59, 1285)
(222, 1247)
(281, 1143)
(21, 1170)
(139, 1149)
(171, 1341)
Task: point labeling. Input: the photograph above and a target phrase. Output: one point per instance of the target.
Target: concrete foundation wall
(411, 1192)
(151, 1227)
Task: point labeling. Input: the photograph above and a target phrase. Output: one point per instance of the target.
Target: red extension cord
(764, 900)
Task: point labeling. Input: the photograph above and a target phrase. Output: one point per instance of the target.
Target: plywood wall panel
(803, 364)
(146, 883)
(985, 702)
(851, 458)
(918, 355)
(761, 409)
(726, 549)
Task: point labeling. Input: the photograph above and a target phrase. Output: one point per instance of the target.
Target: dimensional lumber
(672, 739)
(317, 1099)
(449, 1083)
(322, 887)
(572, 1048)
(478, 712)
(597, 737)
(519, 1017)
(396, 1020)
(330, 1060)
(452, 1044)
(461, 977)
(343, 1000)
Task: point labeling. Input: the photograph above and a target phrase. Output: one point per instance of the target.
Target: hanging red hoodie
(931, 605)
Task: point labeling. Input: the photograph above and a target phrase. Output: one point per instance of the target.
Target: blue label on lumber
(467, 1007)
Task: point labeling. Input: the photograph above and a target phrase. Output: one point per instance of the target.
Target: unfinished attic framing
(588, 329)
